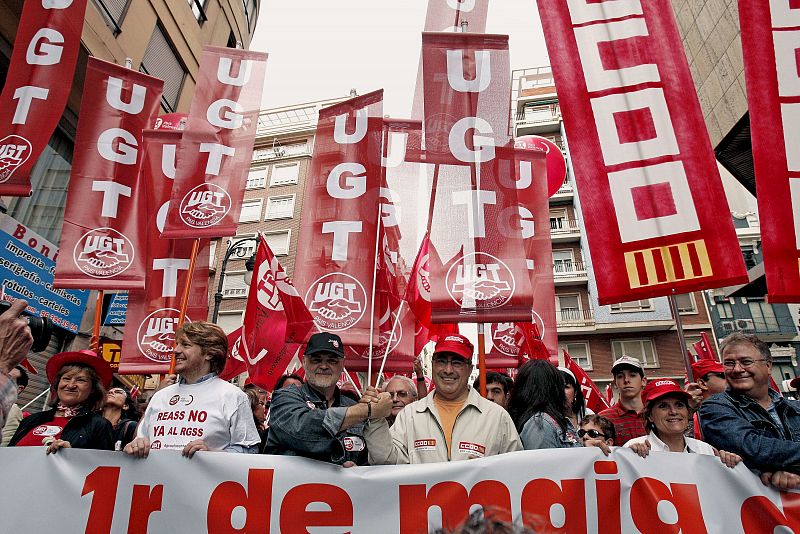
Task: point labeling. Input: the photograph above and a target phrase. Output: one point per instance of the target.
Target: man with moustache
(316, 420)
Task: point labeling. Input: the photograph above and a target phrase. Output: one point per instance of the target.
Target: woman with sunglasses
(121, 413)
(666, 413)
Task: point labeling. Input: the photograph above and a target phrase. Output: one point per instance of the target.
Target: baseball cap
(701, 368)
(660, 387)
(455, 344)
(325, 342)
(627, 362)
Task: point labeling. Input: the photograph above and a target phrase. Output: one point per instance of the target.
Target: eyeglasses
(458, 364)
(592, 433)
(744, 362)
(401, 394)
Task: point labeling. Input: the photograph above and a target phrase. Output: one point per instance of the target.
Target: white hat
(627, 361)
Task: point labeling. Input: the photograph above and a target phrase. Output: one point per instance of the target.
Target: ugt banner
(37, 86)
(770, 42)
(153, 312)
(648, 180)
(104, 221)
(217, 145)
(552, 490)
(335, 264)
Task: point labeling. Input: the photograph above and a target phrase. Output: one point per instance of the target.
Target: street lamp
(249, 265)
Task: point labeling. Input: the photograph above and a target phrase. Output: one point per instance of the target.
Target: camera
(41, 327)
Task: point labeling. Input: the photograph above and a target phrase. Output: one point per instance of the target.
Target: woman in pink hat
(77, 392)
(667, 414)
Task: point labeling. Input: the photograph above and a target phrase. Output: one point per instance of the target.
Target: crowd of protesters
(730, 411)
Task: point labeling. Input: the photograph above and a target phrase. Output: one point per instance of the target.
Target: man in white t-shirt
(201, 412)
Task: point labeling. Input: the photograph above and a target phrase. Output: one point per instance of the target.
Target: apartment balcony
(565, 193)
(537, 119)
(574, 319)
(564, 230)
(568, 273)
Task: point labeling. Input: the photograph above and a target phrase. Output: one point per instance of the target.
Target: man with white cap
(452, 423)
(627, 415)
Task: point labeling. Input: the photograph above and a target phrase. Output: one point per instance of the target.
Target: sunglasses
(592, 433)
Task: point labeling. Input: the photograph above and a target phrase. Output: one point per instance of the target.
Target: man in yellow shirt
(452, 423)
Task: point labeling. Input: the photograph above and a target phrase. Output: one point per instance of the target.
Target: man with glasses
(403, 391)
(452, 423)
(315, 420)
(751, 419)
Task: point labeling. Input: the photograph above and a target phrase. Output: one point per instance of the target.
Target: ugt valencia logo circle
(156, 334)
(481, 281)
(205, 205)
(336, 301)
(14, 152)
(503, 338)
(103, 253)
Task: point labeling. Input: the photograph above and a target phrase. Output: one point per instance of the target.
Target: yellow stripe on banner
(684, 252)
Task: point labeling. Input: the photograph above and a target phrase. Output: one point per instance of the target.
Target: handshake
(380, 403)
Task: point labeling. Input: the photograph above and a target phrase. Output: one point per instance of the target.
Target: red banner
(643, 161)
(152, 315)
(217, 146)
(770, 40)
(37, 86)
(335, 264)
(594, 399)
(234, 365)
(104, 233)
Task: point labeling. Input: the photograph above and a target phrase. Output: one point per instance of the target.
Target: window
(257, 178)
(740, 222)
(285, 174)
(725, 310)
(763, 315)
(251, 210)
(212, 250)
(686, 303)
(562, 261)
(233, 285)
(558, 220)
(632, 306)
(199, 10)
(278, 242)
(579, 352)
(641, 349)
(230, 320)
(113, 11)
(280, 207)
(569, 307)
(161, 61)
(749, 254)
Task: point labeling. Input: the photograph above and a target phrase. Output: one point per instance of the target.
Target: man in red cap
(452, 423)
(710, 376)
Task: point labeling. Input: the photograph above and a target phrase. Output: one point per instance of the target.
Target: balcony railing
(570, 269)
(539, 114)
(573, 318)
(564, 226)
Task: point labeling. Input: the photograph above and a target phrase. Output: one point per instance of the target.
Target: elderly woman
(78, 381)
(666, 413)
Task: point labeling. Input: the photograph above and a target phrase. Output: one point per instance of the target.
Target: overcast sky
(320, 49)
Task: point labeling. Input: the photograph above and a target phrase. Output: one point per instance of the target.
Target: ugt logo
(479, 280)
(205, 205)
(271, 286)
(103, 253)
(503, 339)
(156, 334)
(337, 301)
(14, 151)
(424, 278)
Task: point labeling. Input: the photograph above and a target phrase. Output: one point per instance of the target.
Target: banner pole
(673, 306)
(94, 343)
(481, 360)
(185, 297)
(389, 343)
(372, 300)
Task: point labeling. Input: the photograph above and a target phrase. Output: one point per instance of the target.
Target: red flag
(591, 394)
(769, 45)
(340, 214)
(234, 365)
(418, 291)
(26, 363)
(610, 395)
(217, 145)
(37, 86)
(105, 221)
(703, 348)
(645, 167)
(529, 340)
(153, 313)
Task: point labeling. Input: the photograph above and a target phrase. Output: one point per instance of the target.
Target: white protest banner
(553, 490)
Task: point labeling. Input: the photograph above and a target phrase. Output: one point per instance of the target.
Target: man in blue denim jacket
(751, 419)
(316, 420)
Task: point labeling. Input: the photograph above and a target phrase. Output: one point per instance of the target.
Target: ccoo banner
(37, 86)
(104, 220)
(642, 157)
(770, 42)
(217, 146)
(551, 490)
